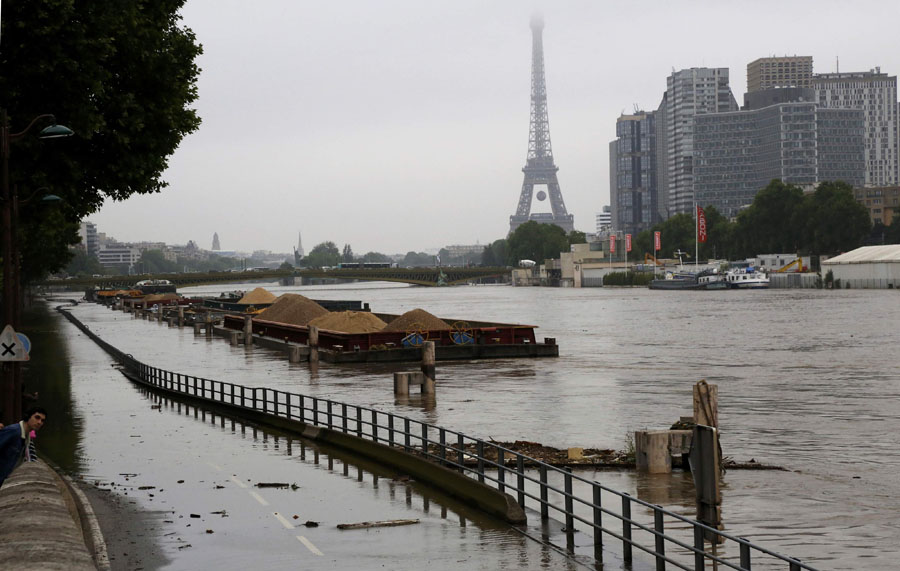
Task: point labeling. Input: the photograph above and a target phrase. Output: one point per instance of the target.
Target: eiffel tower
(539, 167)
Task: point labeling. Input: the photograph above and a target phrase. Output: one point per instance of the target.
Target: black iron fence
(633, 529)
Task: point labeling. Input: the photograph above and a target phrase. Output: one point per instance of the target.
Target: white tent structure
(872, 267)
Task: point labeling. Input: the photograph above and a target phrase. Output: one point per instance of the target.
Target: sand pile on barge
(293, 309)
(257, 296)
(349, 322)
(418, 319)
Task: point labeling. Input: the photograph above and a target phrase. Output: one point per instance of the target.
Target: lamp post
(11, 379)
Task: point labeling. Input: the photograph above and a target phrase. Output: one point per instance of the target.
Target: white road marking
(309, 545)
(259, 498)
(215, 466)
(283, 521)
(238, 482)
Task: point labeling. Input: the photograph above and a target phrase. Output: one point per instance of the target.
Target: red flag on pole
(701, 225)
(627, 242)
(612, 244)
(656, 241)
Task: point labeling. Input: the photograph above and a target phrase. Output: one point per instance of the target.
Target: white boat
(747, 278)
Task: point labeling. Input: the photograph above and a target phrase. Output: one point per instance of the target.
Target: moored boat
(747, 278)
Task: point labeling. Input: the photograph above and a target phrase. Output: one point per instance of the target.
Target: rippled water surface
(808, 380)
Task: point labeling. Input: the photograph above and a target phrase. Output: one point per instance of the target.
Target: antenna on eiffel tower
(540, 168)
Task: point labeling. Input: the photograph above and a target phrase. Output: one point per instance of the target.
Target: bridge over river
(435, 276)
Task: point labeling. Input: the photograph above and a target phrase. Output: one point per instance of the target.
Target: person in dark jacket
(14, 440)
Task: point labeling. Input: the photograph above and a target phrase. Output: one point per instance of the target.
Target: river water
(806, 378)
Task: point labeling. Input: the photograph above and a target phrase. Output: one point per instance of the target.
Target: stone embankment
(47, 524)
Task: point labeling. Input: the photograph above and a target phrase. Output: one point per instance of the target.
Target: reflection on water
(804, 379)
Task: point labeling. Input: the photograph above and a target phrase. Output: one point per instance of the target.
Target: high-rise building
(215, 245)
(689, 93)
(633, 189)
(89, 238)
(787, 71)
(737, 154)
(876, 94)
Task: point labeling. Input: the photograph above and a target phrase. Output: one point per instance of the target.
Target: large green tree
(535, 241)
(834, 221)
(774, 223)
(324, 254)
(123, 76)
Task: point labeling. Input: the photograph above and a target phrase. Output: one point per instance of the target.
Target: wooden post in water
(248, 330)
(209, 324)
(401, 384)
(313, 342)
(706, 404)
(428, 367)
(180, 316)
(294, 354)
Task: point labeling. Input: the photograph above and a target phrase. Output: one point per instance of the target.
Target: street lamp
(11, 380)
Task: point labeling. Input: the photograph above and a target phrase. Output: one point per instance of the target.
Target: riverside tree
(123, 76)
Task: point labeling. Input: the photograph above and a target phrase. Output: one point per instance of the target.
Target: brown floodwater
(807, 381)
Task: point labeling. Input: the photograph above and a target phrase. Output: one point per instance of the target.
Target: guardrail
(644, 530)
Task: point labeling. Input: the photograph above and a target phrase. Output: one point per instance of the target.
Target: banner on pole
(612, 244)
(701, 225)
(656, 241)
(627, 242)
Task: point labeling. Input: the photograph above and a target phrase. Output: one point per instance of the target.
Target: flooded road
(807, 380)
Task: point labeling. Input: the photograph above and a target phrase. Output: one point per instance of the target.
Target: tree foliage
(122, 75)
(535, 241)
(322, 255)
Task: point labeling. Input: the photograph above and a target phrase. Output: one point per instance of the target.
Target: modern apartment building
(787, 71)
(89, 238)
(118, 256)
(737, 154)
(604, 220)
(689, 94)
(876, 94)
(633, 188)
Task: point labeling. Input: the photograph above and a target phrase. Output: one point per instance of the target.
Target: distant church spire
(298, 251)
(216, 246)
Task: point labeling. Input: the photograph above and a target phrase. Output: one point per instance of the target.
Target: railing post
(660, 538)
(460, 454)
(232, 393)
(288, 406)
(479, 456)
(442, 436)
(359, 422)
(264, 400)
(328, 408)
(626, 528)
(302, 409)
(745, 554)
(570, 519)
(390, 429)
(406, 434)
(374, 426)
(424, 440)
(520, 479)
(598, 522)
(700, 550)
(315, 411)
(545, 511)
(344, 417)
(501, 473)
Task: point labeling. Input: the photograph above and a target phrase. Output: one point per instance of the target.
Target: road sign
(13, 346)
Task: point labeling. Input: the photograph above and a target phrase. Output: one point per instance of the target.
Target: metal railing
(642, 529)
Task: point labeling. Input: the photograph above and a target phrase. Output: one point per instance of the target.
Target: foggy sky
(403, 125)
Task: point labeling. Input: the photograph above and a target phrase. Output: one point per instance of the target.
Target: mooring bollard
(159, 314)
(180, 316)
(428, 367)
(209, 323)
(313, 343)
(706, 404)
(171, 321)
(295, 354)
(401, 384)
(248, 330)
(197, 327)
(235, 337)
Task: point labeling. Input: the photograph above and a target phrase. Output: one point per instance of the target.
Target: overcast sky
(403, 125)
